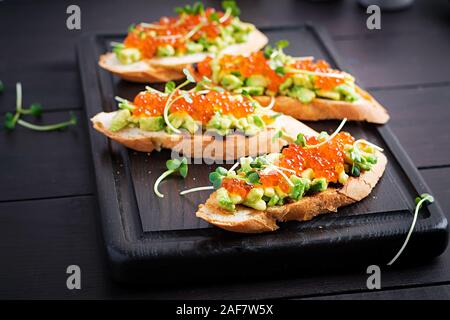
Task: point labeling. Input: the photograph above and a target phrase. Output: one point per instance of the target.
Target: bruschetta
(302, 87)
(200, 123)
(157, 52)
(315, 175)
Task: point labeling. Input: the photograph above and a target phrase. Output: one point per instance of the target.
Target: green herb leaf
(301, 141)
(173, 164)
(277, 135)
(131, 27)
(183, 169)
(198, 8)
(9, 121)
(216, 179)
(214, 17)
(170, 86)
(282, 44)
(222, 171)
(232, 6)
(253, 177)
(268, 50)
(280, 70)
(36, 109)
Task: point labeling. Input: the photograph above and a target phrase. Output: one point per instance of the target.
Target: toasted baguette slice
(365, 109)
(207, 146)
(164, 69)
(248, 220)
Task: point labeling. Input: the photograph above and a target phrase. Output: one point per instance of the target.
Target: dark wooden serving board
(150, 240)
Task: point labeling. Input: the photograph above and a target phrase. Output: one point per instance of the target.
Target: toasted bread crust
(305, 209)
(171, 68)
(366, 109)
(232, 147)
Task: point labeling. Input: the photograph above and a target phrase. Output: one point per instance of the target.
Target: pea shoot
(173, 166)
(420, 201)
(11, 120)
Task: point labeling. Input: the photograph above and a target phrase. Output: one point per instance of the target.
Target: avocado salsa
(194, 30)
(209, 110)
(305, 167)
(273, 73)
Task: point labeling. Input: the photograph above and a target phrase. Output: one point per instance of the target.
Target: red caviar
(202, 108)
(327, 161)
(173, 31)
(321, 82)
(236, 186)
(258, 64)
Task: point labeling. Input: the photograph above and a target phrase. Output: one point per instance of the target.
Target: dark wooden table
(48, 207)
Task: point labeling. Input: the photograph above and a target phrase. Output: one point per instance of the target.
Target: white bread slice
(248, 220)
(207, 146)
(164, 69)
(365, 109)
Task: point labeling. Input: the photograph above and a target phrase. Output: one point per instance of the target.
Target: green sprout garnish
(173, 166)
(420, 201)
(35, 109)
(231, 6)
(195, 9)
(171, 99)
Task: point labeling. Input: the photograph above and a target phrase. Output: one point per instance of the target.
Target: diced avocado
(245, 163)
(120, 120)
(230, 82)
(302, 94)
(190, 125)
(258, 121)
(254, 199)
(128, 55)
(269, 192)
(348, 91)
(308, 174)
(329, 94)
(243, 122)
(176, 119)
(193, 47)
(323, 135)
(236, 199)
(286, 85)
(224, 201)
(253, 91)
(165, 51)
(225, 123)
(343, 177)
(152, 123)
(240, 37)
(370, 158)
(273, 201)
(251, 130)
(302, 80)
(257, 81)
(318, 185)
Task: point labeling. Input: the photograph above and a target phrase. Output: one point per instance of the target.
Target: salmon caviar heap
(273, 73)
(202, 108)
(194, 30)
(209, 109)
(298, 170)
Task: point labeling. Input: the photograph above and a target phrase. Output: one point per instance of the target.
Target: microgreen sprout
(173, 166)
(420, 201)
(35, 109)
(231, 7)
(170, 100)
(327, 139)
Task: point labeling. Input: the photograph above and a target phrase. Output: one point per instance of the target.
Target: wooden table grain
(48, 206)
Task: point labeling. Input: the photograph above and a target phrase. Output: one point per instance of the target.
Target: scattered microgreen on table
(173, 166)
(35, 109)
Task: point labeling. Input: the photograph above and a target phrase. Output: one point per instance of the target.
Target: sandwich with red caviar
(301, 87)
(203, 122)
(316, 174)
(157, 52)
